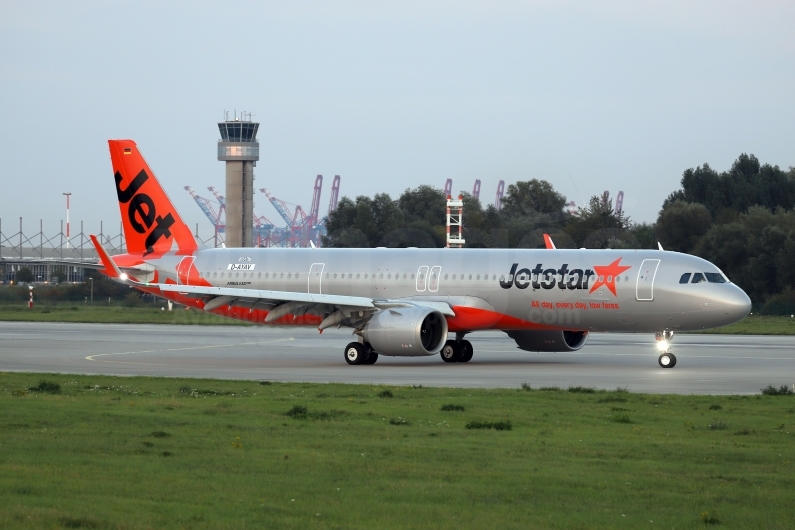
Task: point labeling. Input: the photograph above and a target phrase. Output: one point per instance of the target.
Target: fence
(38, 245)
(25, 243)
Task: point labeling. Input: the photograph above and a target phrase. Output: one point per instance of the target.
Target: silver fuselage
(559, 289)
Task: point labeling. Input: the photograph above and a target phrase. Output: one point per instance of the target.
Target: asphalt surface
(706, 364)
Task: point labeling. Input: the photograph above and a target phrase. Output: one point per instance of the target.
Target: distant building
(42, 271)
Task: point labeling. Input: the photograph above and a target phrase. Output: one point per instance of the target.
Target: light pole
(67, 219)
(92, 289)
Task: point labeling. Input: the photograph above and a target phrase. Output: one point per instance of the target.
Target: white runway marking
(93, 357)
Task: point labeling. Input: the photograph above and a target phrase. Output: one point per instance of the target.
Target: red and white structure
(455, 222)
(67, 230)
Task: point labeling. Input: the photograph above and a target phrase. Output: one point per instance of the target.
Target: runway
(707, 364)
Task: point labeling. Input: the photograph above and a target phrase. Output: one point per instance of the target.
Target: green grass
(177, 453)
(758, 325)
(112, 314)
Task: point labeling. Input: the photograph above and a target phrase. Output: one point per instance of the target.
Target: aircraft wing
(284, 302)
(263, 295)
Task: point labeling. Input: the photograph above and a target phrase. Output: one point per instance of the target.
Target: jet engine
(543, 341)
(406, 331)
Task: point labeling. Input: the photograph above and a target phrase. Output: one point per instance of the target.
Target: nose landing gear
(666, 359)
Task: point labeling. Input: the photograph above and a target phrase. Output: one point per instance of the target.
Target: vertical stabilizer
(151, 223)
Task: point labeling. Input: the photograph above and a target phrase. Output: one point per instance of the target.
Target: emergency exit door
(644, 290)
(315, 278)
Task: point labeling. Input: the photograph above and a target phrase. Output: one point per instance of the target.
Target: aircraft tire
(354, 353)
(372, 357)
(667, 360)
(451, 352)
(466, 351)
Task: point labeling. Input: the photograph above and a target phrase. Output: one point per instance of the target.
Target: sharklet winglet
(110, 266)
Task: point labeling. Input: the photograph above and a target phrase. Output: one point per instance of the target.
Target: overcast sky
(389, 95)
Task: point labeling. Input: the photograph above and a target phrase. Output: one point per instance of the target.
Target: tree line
(741, 219)
(529, 209)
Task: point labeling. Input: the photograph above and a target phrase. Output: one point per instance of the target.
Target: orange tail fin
(151, 223)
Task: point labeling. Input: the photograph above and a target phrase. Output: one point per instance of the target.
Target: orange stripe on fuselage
(473, 318)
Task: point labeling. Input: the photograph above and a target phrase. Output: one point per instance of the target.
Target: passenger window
(685, 278)
(714, 277)
(698, 278)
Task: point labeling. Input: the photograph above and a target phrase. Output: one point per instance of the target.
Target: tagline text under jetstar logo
(141, 211)
(563, 278)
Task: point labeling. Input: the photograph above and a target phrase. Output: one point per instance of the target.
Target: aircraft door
(433, 283)
(422, 277)
(315, 278)
(644, 289)
(185, 269)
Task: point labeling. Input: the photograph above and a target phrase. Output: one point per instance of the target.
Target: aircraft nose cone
(737, 304)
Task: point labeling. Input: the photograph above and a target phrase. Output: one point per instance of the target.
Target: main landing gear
(357, 353)
(666, 359)
(457, 351)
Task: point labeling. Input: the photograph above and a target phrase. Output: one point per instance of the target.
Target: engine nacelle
(543, 341)
(406, 331)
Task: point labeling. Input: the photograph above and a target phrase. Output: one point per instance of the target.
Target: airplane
(407, 302)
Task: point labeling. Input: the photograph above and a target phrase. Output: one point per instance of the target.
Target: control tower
(239, 148)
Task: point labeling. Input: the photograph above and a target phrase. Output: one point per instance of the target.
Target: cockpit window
(698, 278)
(715, 277)
(685, 278)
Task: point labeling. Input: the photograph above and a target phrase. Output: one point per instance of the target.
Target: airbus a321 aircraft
(415, 302)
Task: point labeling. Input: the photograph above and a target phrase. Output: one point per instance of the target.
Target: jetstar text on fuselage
(563, 277)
